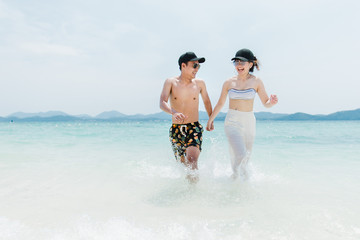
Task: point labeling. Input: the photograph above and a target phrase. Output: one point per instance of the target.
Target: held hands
(210, 125)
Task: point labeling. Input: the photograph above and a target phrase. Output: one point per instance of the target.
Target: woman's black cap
(244, 55)
(189, 56)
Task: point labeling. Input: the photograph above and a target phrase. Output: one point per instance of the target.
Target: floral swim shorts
(184, 135)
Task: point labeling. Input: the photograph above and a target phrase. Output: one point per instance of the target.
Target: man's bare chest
(185, 93)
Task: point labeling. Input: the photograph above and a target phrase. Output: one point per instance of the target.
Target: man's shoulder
(171, 80)
(199, 80)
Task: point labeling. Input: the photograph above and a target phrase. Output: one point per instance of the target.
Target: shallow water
(118, 180)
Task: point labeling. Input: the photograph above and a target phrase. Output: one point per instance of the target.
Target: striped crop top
(246, 94)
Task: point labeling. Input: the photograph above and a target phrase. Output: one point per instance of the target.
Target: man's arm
(218, 106)
(164, 97)
(165, 106)
(205, 98)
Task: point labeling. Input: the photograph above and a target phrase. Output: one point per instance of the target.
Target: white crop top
(245, 94)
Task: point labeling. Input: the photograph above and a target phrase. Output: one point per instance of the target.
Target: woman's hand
(273, 99)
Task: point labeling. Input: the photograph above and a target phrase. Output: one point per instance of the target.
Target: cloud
(110, 48)
(9, 13)
(49, 49)
(125, 28)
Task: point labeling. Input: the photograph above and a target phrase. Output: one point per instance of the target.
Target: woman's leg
(237, 147)
(240, 131)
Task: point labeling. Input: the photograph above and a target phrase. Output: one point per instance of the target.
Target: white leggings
(240, 131)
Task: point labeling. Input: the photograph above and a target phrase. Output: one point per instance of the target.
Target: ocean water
(119, 180)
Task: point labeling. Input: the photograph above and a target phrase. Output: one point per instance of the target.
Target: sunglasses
(237, 62)
(196, 65)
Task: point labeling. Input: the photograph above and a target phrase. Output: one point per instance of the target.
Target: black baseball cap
(189, 56)
(244, 55)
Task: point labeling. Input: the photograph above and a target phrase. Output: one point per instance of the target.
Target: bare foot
(234, 176)
(192, 176)
(192, 179)
(244, 173)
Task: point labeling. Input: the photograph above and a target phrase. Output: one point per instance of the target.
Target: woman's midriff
(241, 105)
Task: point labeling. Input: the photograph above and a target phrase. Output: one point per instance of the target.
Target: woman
(240, 119)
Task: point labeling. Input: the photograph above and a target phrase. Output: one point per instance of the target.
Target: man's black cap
(244, 55)
(189, 56)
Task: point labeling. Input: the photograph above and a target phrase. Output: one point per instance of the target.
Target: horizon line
(75, 115)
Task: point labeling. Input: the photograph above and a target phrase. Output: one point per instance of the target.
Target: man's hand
(179, 117)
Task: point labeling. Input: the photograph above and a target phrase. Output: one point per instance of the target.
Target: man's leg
(192, 155)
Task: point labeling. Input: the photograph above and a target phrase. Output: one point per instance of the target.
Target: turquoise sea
(118, 180)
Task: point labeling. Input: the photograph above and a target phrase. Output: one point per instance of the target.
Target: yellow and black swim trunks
(184, 135)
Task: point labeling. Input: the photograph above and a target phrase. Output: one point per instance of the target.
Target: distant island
(117, 116)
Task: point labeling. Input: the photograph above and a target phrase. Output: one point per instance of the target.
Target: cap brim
(240, 58)
(201, 60)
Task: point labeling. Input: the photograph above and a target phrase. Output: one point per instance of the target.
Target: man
(186, 131)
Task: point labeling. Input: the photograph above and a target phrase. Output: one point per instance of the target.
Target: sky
(91, 56)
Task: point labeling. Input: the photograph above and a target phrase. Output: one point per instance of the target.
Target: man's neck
(185, 79)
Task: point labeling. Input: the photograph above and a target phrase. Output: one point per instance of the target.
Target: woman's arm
(266, 101)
